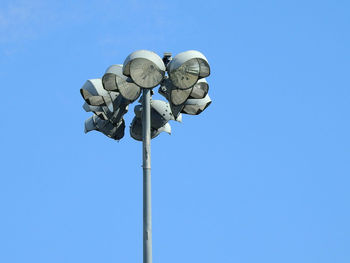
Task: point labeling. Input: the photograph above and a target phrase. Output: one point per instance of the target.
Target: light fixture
(187, 67)
(94, 94)
(145, 68)
(191, 101)
(114, 80)
(136, 129)
(115, 132)
(183, 84)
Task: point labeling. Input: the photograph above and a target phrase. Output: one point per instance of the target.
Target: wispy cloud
(19, 20)
(138, 21)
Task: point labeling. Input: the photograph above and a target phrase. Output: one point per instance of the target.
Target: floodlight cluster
(182, 82)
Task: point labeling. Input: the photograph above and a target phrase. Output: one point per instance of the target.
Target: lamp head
(145, 68)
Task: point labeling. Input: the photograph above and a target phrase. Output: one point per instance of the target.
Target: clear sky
(261, 176)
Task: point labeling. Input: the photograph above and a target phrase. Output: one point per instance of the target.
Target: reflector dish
(114, 80)
(145, 68)
(165, 91)
(187, 67)
(92, 100)
(136, 129)
(127, 88)
(115, 132)
(94, 94)
(174, 95)
(179, 96)
(95, 87)
(160, 113)
(196, 106)
(200, 89)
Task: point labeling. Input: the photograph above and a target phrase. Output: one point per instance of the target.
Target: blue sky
(261, 176)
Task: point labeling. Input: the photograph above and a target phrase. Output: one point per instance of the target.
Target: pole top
(167, 57)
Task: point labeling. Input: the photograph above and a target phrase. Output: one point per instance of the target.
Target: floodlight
(200, 89)
(145, 68)
(173, 94)
(179, 99)
(136, 129)
(98, 110)
(109, 80)
(114, 80)
(187, 67)
(94, 94)
(115, 132)
(119, 104)
(196, 106)
(160, 113)
(167, 91)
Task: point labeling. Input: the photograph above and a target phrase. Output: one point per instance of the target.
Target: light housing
(200, 89)
(114, 113)
(190, 99)
(187, 67)
(160, 113)
(196, 106)
(95, 95)
(115, 132)
(136, 129)
(114, 80)
(145, 68)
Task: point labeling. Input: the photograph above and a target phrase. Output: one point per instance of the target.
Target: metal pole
(146, 145)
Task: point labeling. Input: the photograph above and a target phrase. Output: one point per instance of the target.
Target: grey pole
(146, 145)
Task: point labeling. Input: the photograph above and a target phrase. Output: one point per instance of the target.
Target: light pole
(184, 86)
(146, 165)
